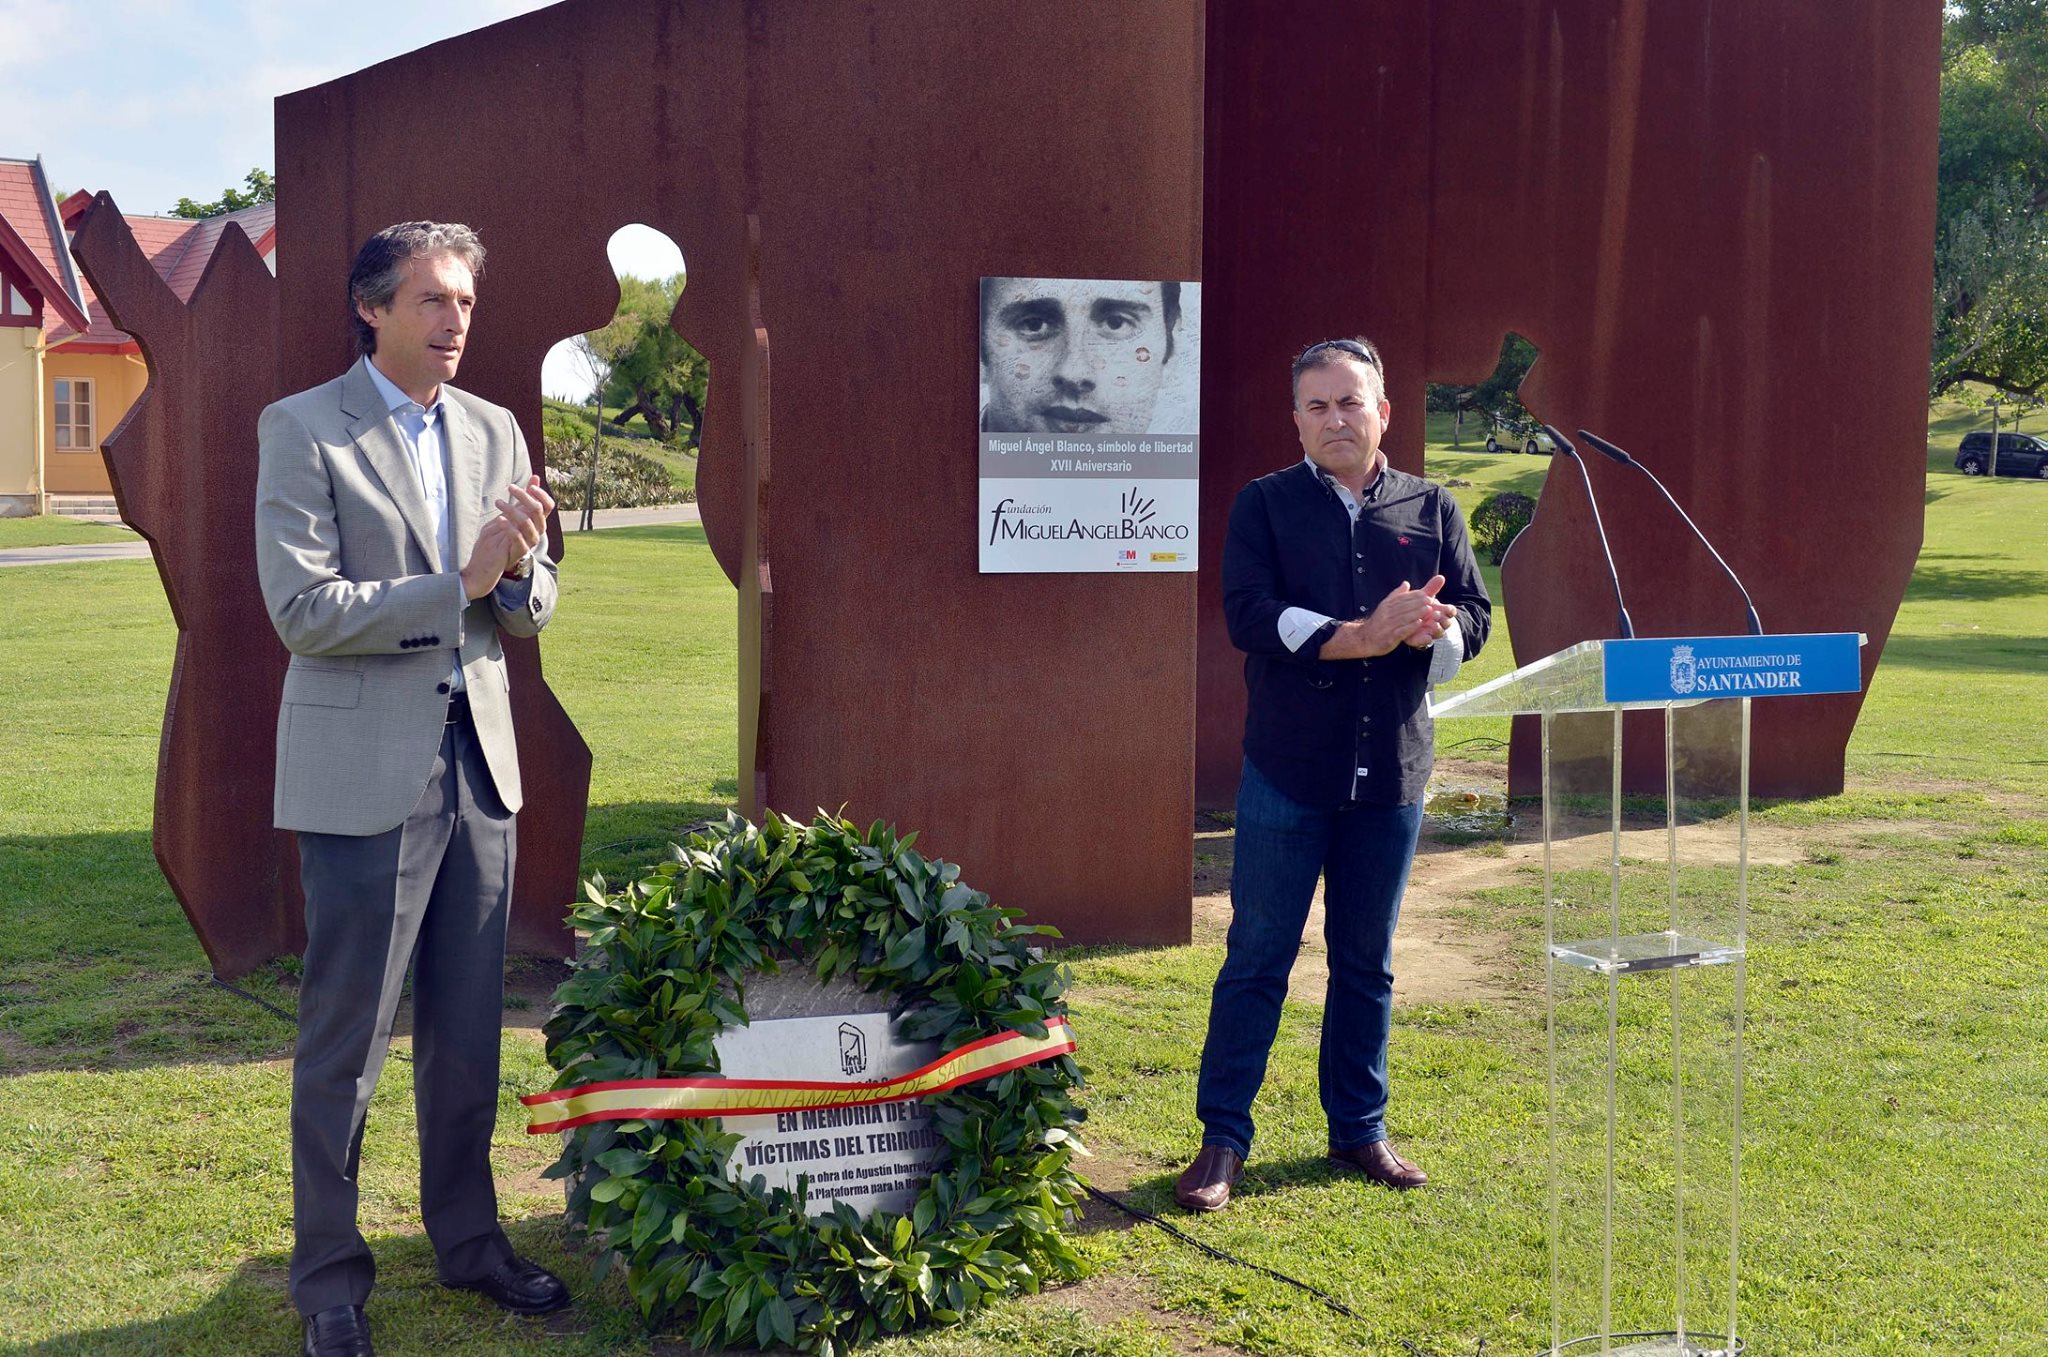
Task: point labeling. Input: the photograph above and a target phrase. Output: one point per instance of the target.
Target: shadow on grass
(622, 841)
(102, 972)
(89, 896)
(1935, 582)
(409, 1312)
(690, 534)
(1262, 1178)
(1965, 654)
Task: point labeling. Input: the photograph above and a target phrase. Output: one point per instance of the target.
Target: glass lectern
(1645, 923)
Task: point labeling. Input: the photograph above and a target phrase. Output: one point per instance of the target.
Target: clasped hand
(504, 541)
(1405, 616)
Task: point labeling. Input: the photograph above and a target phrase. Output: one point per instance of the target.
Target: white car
(1531, 439)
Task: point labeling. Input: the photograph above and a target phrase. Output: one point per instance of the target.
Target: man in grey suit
(399, 530)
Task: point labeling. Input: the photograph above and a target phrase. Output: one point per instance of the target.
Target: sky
(155, 100)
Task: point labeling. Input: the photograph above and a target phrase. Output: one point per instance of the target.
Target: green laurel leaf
(664, 968)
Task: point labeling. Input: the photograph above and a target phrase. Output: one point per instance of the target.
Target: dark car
(2019, 454)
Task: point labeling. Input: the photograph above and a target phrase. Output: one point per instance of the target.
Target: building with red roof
(67, 376)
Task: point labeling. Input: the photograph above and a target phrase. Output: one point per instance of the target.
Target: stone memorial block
(875, 1157)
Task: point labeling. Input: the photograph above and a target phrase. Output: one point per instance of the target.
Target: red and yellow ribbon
(656, 1099)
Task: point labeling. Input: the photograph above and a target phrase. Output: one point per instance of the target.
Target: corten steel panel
(754, 581)
(183, 467)
(1037, 729)
(386, 145)
(1315, 227)
(1733, 286)
(1716, 223)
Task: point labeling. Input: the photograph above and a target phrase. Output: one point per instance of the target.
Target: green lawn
(1952, 697)
(55, 530)
(1896, 1114)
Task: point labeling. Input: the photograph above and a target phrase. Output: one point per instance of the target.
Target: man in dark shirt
(1351, 588)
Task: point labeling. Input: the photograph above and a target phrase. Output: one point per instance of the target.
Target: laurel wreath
(664, 970)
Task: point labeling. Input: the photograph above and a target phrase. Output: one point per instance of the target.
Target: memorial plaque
(876, 1157)
(1090, 418)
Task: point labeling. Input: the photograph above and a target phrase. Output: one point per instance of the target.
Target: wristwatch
(1321, 634)
(523, 569)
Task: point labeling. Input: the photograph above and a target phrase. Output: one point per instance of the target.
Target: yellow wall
(21, 418)
(117, 380)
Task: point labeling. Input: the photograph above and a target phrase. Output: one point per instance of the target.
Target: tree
(640, 366)
(596, 349)
(600, 352)
(655, 373)
(1991, 297)
(262, 188)
(1991, 244)
(1496, 398)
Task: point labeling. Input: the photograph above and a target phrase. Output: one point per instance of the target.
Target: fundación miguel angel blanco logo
(1011, 521)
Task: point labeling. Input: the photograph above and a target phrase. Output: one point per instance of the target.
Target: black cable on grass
(1138, 1213)
(1134, 1212)
(291, 1018)
(1184, 1237)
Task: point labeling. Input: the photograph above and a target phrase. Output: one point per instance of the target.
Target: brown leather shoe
(1206, 1184)
(1378, 1162)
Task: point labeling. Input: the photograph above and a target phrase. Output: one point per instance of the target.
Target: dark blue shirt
(1310, 724)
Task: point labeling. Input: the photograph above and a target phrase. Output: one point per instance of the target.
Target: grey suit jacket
(354, 583)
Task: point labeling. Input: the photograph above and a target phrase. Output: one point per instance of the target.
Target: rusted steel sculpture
(183, 466)
(1715, 221)
(756, 585)
(1036, 728)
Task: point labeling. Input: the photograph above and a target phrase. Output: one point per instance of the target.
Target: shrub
(625, 479)
(1498, 519)
(560, 423)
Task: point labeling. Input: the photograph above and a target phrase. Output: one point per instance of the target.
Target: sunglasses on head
(1350, 346)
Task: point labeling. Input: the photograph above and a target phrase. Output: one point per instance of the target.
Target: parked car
(2019, 454)
(1510, 434)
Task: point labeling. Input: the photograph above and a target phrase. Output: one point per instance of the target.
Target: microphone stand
(1564, 445)
(1756, 626)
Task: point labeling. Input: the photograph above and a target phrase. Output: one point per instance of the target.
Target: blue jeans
(1362, 853)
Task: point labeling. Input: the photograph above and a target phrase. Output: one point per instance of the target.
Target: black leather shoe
(338, 1332)
(1378, 1162)
(519, 1286)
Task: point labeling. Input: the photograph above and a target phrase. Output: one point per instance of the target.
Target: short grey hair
(1357, 349)
(380, 266)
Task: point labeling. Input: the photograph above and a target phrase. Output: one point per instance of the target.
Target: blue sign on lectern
(1696, 668)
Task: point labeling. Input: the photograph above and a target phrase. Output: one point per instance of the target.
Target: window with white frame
(73, 416)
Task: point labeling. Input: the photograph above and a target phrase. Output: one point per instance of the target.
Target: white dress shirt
(423, 431)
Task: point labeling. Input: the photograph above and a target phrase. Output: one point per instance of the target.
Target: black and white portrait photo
(1089, 356)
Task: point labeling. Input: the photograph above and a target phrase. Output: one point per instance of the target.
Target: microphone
(1564, 445)
(1756, 626)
